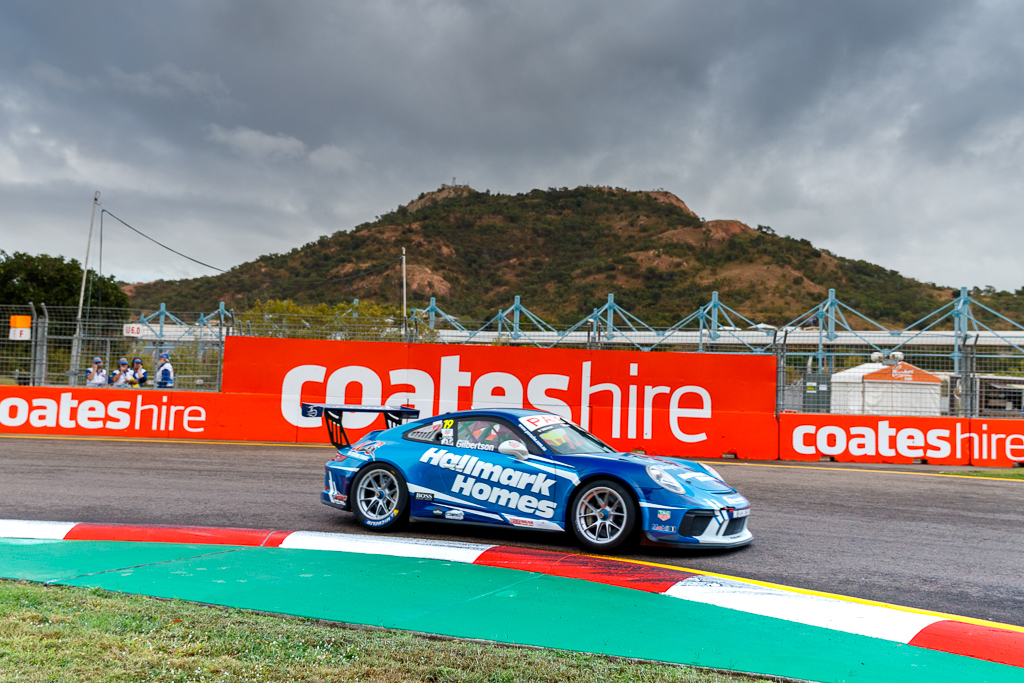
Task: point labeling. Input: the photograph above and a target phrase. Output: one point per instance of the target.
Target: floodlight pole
(76, 345)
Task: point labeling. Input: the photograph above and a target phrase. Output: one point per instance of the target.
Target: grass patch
(77, 634)
(992, 473)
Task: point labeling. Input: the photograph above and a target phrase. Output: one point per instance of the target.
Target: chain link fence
(58, 349)
(933, 375)
(929, 373)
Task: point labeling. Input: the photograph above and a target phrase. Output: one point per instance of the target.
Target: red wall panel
(143, 413)
(668, 403)
(875, 438)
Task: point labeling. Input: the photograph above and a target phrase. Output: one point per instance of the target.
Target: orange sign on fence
(20, 327)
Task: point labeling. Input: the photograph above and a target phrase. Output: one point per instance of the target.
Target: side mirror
(513, 447)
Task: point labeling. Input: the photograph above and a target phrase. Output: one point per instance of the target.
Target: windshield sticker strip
(535, 422)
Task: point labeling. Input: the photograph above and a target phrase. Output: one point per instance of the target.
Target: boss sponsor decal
(429, 497)
(438, 496)
(476, 472)
(663, 528)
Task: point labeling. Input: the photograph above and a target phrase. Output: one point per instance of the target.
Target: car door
(426, 444)
(498, 488)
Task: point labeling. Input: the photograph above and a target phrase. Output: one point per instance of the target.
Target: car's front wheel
(603, 515)
(380, 497)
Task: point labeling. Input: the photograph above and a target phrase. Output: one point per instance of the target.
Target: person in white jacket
(122, 377)
(97, 374)
(164, 372)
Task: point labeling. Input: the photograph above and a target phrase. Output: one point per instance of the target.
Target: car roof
(501, 412)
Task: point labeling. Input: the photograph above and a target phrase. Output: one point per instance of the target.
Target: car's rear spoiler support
(333, 412)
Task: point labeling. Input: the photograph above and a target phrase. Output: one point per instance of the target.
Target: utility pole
(76, 344)
(405, 316)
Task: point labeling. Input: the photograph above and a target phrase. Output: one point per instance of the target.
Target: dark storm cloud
(881, 130)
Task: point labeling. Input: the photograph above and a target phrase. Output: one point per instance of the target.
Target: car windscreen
(564, 438)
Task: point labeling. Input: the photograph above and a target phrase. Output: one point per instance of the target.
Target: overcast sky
(888, 131)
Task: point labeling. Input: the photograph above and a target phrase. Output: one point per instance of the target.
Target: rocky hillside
(563, 251)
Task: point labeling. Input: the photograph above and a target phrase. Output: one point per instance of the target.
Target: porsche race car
(528, 469)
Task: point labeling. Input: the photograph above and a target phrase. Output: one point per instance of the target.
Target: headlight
(714, 473)
(665, 480)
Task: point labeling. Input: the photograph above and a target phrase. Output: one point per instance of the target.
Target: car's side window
(484, 434)
(438, 431)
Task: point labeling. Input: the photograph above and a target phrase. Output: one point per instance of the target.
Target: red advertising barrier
(700, 405)
(667, 403)
(997, 443)
(697, 405)
(880, 438)
(131, 413)
(874, 438)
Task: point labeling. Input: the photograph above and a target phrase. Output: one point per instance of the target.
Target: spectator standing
(97, 374)
(121, 378)
(139, 374)
(164, 372)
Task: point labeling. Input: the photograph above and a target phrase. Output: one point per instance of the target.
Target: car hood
(695, 475)
(689, 473)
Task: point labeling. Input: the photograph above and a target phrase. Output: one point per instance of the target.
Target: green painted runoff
(503, 605)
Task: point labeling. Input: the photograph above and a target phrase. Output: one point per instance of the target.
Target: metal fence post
(44, 342)
(163, 315)
(968, 389)
(780, 375)
(32, 346)
(220, 345)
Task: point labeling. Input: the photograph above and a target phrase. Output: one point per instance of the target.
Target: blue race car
(524, 468)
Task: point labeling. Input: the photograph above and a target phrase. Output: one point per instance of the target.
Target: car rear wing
(333, 412)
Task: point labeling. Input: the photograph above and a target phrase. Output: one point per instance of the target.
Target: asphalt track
(878, 533)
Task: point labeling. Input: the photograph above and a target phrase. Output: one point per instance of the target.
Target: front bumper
(724, 528)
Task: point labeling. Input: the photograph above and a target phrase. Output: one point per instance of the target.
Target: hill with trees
(563, 250)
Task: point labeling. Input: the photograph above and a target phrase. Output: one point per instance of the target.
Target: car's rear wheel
(603, 515)
(380, 498)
